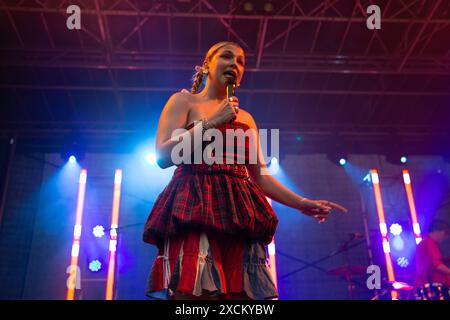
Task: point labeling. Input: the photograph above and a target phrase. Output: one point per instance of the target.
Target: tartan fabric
(217, 197)
(213, 264)
(234, 140)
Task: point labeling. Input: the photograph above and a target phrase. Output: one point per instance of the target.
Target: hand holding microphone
(231, 96)
(226, 113)
(228, 108)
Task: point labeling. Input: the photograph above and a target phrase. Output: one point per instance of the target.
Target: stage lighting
(398, 243)
(248, 6)
(95, 265)
(273, 162)
(268, 7)
(273, 165)
(403, 262)
(72, 159)
(73, 148)
(395, 155)
(258, 7)
(98, 231)
(151, 158)
(338, 158)
(396, 229)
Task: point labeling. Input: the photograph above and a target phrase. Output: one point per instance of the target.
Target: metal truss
(271, 46)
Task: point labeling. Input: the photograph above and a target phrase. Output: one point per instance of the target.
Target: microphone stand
(348, 277)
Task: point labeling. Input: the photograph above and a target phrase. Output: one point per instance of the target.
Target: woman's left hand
(319, 209)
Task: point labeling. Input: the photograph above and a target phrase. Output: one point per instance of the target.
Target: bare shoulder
(246, 117)
(180, 97)
(179, 101)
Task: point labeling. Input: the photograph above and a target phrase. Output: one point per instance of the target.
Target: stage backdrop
(37, 229)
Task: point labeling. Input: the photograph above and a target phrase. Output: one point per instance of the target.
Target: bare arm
(278, 192)
(174, 116)
(270, 186)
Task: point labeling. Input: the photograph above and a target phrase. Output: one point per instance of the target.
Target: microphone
(231, 91)
(231, 88)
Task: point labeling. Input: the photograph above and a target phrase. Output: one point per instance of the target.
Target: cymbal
(347, 270)
(399, 286)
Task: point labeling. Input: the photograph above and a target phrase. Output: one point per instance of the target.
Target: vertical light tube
(412, 206)
(272, 259)
(383, 229)
(77, 235)
(113, 235)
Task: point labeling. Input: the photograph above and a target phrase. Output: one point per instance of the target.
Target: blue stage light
(274, 166)
(403, 262)
(398, 243)
(403, 159)
(95, 265)
(342, 161)
(151, 158)
(396, 229)
(72, 159)
(98, 231)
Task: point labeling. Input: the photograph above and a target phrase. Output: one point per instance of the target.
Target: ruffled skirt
(219, 198)
(204, 264)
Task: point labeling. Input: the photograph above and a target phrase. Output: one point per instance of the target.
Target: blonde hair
(197, 79)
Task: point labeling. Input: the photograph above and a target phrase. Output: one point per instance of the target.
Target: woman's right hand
(226, 113)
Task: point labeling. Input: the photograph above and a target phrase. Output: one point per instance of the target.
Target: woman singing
(212, 221)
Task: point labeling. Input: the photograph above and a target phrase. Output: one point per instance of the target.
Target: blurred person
(430, 267)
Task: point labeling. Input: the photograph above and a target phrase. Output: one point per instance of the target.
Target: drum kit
(430, 291)
(405, 291)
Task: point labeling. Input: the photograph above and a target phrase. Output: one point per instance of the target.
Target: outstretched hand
(319, 209)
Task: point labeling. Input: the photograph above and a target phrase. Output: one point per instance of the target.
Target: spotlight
(248, 6)
(72, 159)
(273, 162)
(395, 155)
(273, 165)
(338, 158)
(398, 243)
(396, 229)
(151, 158)
(95, 265)
(98, 231)
(268, 7)
(73, 148)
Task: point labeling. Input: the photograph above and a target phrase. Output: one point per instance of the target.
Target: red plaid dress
(202, 205)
